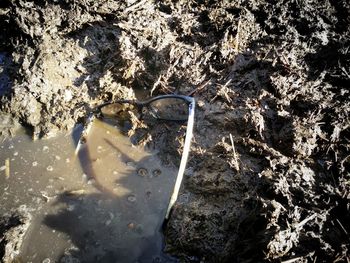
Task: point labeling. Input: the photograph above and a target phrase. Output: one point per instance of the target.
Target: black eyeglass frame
(140, 105)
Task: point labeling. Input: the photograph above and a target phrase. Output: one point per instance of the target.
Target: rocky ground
(268, 175)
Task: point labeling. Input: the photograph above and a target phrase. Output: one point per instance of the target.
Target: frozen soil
(268, 177)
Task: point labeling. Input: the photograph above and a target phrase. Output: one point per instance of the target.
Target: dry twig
(135, 6)
(223, 92)
(235, 159)
(7, 168)
(237, 36)
(199, 88)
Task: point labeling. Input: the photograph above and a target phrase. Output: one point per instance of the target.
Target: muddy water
(104, 205)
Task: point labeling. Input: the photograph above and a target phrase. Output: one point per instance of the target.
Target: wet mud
(268, 174)
(105, 203)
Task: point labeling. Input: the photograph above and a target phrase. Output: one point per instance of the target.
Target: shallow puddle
(105, 204)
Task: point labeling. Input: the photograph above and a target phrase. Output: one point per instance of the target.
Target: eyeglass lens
(169, 109)
(163, 108)
(116, 110)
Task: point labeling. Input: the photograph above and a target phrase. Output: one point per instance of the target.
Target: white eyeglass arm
(186, 150)
(84, 133)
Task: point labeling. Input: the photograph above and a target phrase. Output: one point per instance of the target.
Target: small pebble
(34, 163)
(71, 208)
(46, 260)
(91, 181)
(84, 176)
(15, 153)
(49, 168)
(200, 103)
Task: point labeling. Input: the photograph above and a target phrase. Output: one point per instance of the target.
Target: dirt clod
(13, 227)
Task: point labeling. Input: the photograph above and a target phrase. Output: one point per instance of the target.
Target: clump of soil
(13, 227)
(268, 177)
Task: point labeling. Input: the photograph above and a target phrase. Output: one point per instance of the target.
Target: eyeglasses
(166, 107)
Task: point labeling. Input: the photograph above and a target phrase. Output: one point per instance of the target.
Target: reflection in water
(107, 205)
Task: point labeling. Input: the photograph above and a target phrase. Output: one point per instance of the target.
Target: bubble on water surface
(99, 149)
(157, 259)
(156, 172)
(131, 198)
(142, 172)
(45, 149)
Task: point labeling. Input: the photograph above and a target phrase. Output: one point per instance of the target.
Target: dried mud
(268, 177)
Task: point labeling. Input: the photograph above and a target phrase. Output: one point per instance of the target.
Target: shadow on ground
(122, 221)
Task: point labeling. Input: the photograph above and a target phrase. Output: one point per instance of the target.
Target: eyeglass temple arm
(184, 158)
(85, 131)
(186, 150)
